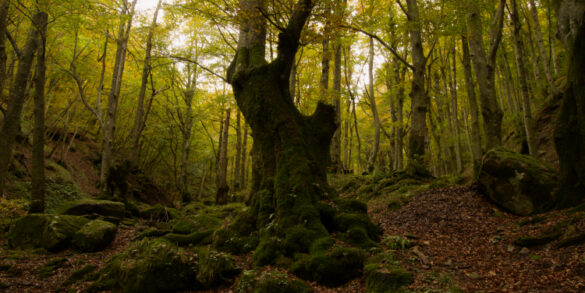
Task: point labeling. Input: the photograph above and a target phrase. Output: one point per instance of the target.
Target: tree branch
(185, 59)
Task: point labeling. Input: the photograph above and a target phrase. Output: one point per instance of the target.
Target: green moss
(345, 221)
(386, 278)
(267, 251)
(322, 244)
(347, 205)
(94, 236)
(547, 236)
(50, 267)
(384, 274)
(149, 233)
(90, 206)
(160, 213)
(279, 282)
(79, 275)
(44, 231)
(216, 268)
(149, 266)
(299, 239)
(327, 214)
(195, 238)
(226, 240)
(357, 236)
(397, 242)
(198, 223)
(575, 239)
(332, 268)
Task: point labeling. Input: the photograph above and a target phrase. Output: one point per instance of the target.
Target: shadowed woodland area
(292, 146)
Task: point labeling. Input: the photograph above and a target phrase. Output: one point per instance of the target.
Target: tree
(570, 127)
(372, 100)
(485, 68)
(17, 97)
(293, 149)
(37, 204)
(420, 99)
(221, 196)
(110, 122)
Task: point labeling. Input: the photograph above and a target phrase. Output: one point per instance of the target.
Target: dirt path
(469, 244)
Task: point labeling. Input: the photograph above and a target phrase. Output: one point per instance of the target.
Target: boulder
(518, 183)
(216, 268)
(94, 236)
(331, 268)
(149, 266)
(160, 213)
(111, 210)
(52, 232)
(384, 274)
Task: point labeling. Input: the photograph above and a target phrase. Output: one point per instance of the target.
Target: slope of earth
(465, 242)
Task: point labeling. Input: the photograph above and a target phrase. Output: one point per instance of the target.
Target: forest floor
(458, 242)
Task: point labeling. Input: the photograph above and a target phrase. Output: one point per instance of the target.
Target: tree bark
(570, 127)
(139, 119)
(237, 168)
(420, 100)
(293, 149)
(186, 130)
(454, 111)
(37, 204)
(484, 67)
(243, 168)
(4, 5)
(336, 164)
(372, 99)
(521, 67)
(111, 113)
(473, 108)
(221, 196)
(17, 97)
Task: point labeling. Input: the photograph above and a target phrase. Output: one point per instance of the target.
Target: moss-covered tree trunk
(570, 127)
(221, 195)
(17, 98)
(292, 149)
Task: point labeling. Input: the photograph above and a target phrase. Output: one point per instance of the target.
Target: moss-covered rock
(195, 238)
(94, 236)
(149, 266)
(346, 221)
(79, 275)
(332, 268)
(108, 209)
(239, 237)
(268, 250)
(386, 279)
(52, 232)
(160, 213)
(385, 275)
(517, 183)
(216, 268)
(198, 223)
(347, 205)
(269, 282)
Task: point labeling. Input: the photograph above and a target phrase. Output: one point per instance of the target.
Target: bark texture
(37, 204)
(221, 197)
(17, 97)
(570, 127)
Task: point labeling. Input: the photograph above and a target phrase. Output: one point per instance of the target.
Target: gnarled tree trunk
(570, 127)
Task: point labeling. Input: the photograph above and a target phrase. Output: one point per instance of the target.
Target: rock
(52, 232)
(332, 268)
(94, 236)
(268, 282)
(216, 268)
(149, 266)
(112, 210)
(160, 213)
(524, 250)
(198, 223)
(382, 278)
(518, 183)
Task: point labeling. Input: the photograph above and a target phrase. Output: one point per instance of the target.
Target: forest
(292, 146)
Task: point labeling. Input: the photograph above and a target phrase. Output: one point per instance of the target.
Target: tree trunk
(521, 67)
(237, 168)
(336, 164)
(187, 126)
(17, 97)
(293, 149)
(4, 4)
(110, 123)
(221, 196)
(420, 99)
(244, 157)
(473, 108)
(484, 67)
(541, 49)
(37, 204)
(454, 111)
(139, 119)
(372, 99)
(570, 126)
